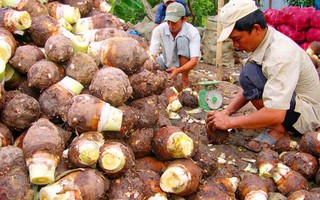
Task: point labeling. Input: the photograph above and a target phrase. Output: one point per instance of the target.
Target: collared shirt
(161, 11)
(162, 37)
(289, 69)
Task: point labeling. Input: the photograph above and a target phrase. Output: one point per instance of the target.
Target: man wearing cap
(161, 11)
(179, 41)
(279, 79)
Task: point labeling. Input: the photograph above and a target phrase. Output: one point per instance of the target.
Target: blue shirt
(161, 12)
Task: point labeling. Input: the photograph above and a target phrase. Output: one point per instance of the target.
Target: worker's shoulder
(181, 1)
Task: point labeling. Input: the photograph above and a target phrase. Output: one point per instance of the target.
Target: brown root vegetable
(171, 143)
(53, 100)
(88, 113)
(189, 98)
(146, 111)
(146, 83)
(101, 5)
(22, 61)
(8, 45)
(6, 137)
(317, 177)
(217, 136)
(300, 194)
(252, 186)
(58, 48)
(42, 28)
(24, 88)
(206, 160)
(151, 65)
(124, 53)
(85, 6)
(15, 21)
(82, 68)
(304, 163)
(58, 10)
(43, 74)
(150, 163)
(285, 144)
(127, 187)
(20, 112)
(85, 184)
(96, 35)
(310, 143)
(182, 177)
(14, 181)
(288, 180)
(140, 142)
(115, 158)
(84, 149)
(112, 85)
(42, 149)
(173, 98)
(102, 20)
(33, 7)
(163, 119)
(266, 161)
(151, 185)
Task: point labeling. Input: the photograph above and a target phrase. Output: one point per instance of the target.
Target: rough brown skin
(52, 102)
(151, 183)
(9, 38)
(146, 110)
(250, 182)
(126, 150)
(225, 184)
(282, 145)
(217, 136)
(14, 178)
(304, 163)
(6, 137)
(163, 119)
(2, 97)
(317, 177)
(33, 7)
(129, 119)
(146, 83)
(151, 65)
(206, 160)
(300, 194)
(195, 175)
(22, 61)
(267, 156)
(82, 68)
(58, 48)
(140, 142)
(123, 53)
(310, 144)
(85, 6)
(127, 187)
(44, 136)
(187, 99)
(20, 112)
(111, 85)
(150, 163)
(24, 88)
(43, 74)
(105, 33)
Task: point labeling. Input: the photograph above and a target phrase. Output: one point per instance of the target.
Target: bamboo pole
(219, 44)
(148, 9)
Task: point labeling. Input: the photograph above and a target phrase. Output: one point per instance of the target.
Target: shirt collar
(183, 31)
(258, 54)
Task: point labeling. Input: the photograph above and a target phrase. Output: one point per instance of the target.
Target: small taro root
(146, 83)
(127, 187)
(150, 163)
(217, 136)
(58, 10)
(304, 163)
(140, 142)
(266, 161)
(88, 113)
(288, 180)
(103, 34)
(53, 100)
(20, 112)
(123, 53)
(206, 160)
(151, 185)
(42, 28)
(22, 61)
(43, 74)
(171, 143)
(146, 110)
(85, 6)
(182, 177)
(228, 185)
(42, 148)
(112, 85)
(189, 98)
(14, 181)
(84, 149)
(173, 98)
(82, 68)
(14, 21)
(252, 186)
(33, 7)
(8, 45)
(285, 144)
(302, 194)
(310, 143)
(317, 177)
(58, 48)
(85, 184)
(115, 158)
(6, 137)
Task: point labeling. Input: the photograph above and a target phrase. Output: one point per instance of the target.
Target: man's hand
(174, 72)
(217, 120)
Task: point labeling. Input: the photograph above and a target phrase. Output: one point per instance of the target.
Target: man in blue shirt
(161, 11)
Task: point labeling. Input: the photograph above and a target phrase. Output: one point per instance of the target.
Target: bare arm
(189, 65)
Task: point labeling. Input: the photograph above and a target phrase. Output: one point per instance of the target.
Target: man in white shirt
(179, 42)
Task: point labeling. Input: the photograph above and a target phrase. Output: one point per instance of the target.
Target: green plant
(300, 3)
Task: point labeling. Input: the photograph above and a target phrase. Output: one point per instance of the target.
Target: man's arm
(189, 65)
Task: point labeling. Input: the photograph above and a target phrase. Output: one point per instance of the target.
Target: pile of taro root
(85, 114)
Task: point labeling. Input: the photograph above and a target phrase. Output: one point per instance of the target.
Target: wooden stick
(147, 7)
(219, 44)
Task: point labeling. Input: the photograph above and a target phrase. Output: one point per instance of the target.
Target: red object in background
(313, 34)
(275, 17)
(305, 45)
(297, 36)
(315, 19)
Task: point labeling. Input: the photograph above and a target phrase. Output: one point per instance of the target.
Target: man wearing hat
(161, 11)
(179, 42)
(279, 79)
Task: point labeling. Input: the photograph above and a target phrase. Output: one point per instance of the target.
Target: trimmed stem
(5, 49)
(17, 20)
(11, 3)
(174, 180)
(281, 171)
(79, 43)
(113, 159)
(258, 194)
(71, 85)
(110, 118)
(265, 170)
(88, 153)
(180, 145)
(52, 192)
